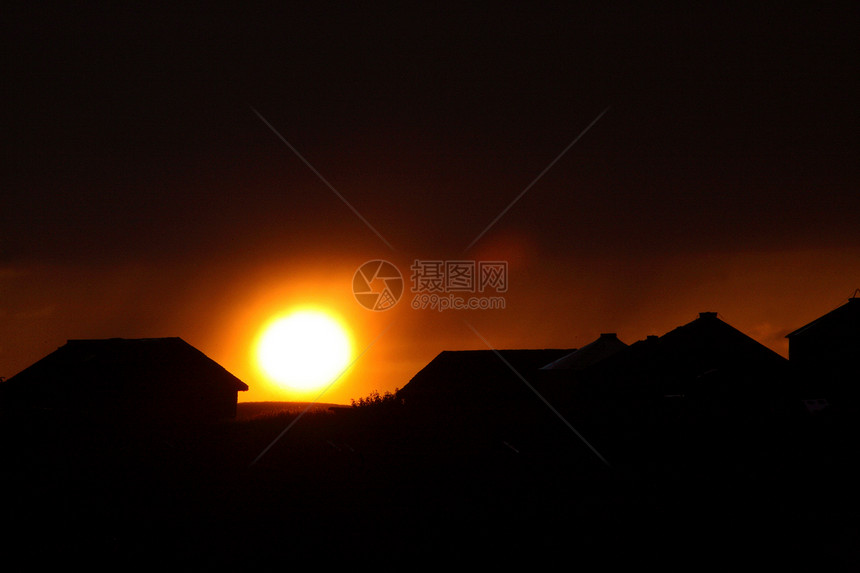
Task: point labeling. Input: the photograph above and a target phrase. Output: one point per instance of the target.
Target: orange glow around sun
(303, 351)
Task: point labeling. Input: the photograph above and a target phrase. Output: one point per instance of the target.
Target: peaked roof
(111, 365)
(476, 373)
(699, 347)
(605, 346)
(842, 320)
(710, 336)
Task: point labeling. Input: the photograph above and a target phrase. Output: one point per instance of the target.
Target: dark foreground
(388, 487)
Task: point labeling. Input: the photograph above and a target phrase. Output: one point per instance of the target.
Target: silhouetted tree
(377, 400)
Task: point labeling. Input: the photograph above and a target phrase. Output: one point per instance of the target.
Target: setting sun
(305, 350)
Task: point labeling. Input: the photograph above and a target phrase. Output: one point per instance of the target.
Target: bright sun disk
(305, 350)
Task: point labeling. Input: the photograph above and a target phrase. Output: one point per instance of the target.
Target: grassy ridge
(251, 410)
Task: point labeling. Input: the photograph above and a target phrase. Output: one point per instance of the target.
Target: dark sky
(142, 196)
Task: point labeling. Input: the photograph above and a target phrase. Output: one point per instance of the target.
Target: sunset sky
(143, 196)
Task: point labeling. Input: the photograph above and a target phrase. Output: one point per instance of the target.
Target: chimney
(707, 315)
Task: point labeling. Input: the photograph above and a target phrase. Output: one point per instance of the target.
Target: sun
(305, 350)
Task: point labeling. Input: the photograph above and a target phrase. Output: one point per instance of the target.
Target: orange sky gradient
(765, 295)
(185, 171)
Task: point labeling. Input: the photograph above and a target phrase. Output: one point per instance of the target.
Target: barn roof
(841, 320)
(133, 364)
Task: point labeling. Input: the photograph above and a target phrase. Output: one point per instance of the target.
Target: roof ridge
(821, 317)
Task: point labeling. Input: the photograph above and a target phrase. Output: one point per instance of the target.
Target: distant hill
(251, 410)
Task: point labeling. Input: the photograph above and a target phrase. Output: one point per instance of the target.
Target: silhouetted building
(476, 402)
(705, 361)
(150, 379)
(703, 369)
(705, 372)
(474, 376)
(826, 353)
(590, 354)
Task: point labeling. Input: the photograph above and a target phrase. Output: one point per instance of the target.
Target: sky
(193, 171)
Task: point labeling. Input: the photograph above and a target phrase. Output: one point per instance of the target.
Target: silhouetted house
(480, 401)
(470, 377)
(151, 379)
(706, 364)
(590, 354)
(826, 353)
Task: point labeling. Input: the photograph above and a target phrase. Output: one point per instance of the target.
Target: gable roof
(701, 347)
(115, 366)
(709, 339)
(841, 321)
(604, 347)
(477, 373)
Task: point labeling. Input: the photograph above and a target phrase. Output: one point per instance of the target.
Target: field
(250, 410)
(391, 487)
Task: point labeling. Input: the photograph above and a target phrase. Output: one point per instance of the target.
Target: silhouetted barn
(826, 353)
(153, 379)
